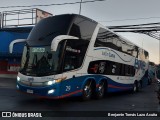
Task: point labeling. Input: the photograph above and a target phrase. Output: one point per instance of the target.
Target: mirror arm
(58, 39)
(13, 42)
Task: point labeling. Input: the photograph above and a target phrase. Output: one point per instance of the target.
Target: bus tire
(136, 86)
(149, 81)
(101, 89)
(140, 85)
(87, 91)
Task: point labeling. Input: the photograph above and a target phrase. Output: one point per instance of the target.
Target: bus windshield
(40, 61)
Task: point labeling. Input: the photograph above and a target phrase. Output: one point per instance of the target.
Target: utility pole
(80, 7)
(142, 43)
(159, 50)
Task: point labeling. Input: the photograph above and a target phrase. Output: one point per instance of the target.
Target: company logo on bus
(108, 54)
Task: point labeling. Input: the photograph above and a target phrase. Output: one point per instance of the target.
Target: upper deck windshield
(47, 29)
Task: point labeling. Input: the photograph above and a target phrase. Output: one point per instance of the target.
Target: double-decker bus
(72, 55)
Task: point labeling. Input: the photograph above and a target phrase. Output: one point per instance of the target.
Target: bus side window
(105, 38)
(109, 68)
(118, 68)
(122, 73)
(74, 54)
(113, 69)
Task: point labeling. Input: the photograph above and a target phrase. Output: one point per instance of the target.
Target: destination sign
(38, 49)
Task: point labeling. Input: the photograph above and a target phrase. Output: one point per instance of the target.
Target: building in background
(16, 24)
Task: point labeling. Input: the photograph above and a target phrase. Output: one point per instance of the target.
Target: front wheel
(87, 91)
(136, 87)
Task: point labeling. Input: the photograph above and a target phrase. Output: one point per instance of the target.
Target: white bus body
(71, 55)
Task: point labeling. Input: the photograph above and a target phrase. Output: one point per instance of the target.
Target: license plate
(29, 91)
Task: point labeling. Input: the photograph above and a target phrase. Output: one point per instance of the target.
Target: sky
(108, 13)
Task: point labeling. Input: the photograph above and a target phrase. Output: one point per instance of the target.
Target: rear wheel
(101, 90)
(87, 90)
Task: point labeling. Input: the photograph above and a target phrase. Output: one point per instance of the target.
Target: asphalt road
(11, 100)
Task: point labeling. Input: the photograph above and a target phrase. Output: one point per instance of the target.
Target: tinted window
(106, 38)
(122, 69)
(47, 29)
(110, 68)
(74, 54)
(127, 47)
(82, 28)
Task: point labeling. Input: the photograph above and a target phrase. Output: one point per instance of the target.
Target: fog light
(51, 91)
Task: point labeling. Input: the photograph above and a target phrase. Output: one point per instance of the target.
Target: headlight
(158, 80)
(18, 78)
(55, 81)
(51, 82)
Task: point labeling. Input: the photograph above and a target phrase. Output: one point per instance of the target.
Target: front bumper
(40, 91)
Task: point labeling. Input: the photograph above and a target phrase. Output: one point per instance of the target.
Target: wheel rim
(139, 85)
(87, 90)
(101, 89)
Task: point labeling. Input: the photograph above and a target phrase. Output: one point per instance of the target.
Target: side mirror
(13, 42)
(58, 39)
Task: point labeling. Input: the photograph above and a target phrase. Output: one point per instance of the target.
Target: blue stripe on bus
(78, 82)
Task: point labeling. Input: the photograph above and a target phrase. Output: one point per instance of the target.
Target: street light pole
(159, 50)
(80, 8)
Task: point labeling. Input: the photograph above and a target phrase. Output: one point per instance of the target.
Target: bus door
(74, 55)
